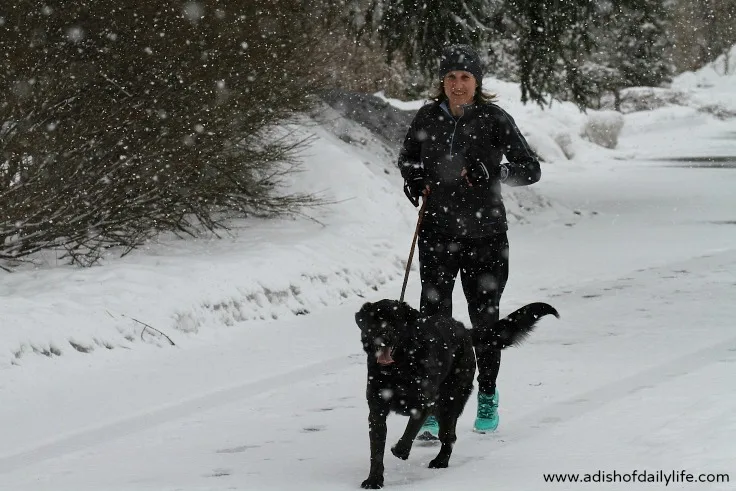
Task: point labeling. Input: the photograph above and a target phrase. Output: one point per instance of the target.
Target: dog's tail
(513, 329)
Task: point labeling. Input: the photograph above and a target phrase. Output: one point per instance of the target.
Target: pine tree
(419, 29)
(554, 39)
(631, 47)
(643, 43)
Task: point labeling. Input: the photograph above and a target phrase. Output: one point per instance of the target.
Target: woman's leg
(439, 263)
(484, 271)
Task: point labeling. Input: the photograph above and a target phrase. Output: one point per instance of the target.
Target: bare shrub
(121, 120)
(702, 30)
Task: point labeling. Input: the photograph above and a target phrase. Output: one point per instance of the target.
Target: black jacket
(438, 146)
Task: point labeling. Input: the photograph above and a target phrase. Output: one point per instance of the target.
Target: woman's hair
(480, 96)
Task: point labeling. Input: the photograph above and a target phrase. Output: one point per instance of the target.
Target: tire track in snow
(167, 413)
(718, 263)
(530, 424)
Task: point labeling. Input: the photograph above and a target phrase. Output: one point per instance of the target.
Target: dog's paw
(402, 453)
(372, 483)
(438, 463)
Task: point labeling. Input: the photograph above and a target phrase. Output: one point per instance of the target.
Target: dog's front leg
(377, 433)
(448, 437)
(403, 446)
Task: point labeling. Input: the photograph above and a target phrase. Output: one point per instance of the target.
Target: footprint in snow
(241, 448)
(220, 473)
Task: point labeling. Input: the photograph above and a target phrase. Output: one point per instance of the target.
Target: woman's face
(459, 87)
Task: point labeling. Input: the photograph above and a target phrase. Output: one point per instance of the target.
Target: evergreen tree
(554, 39)
(642, 43)
(631, 47)
(419, 29)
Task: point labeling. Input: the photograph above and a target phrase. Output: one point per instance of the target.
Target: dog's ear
(360, 316)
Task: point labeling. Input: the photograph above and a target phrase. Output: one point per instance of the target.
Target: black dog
(419, 366)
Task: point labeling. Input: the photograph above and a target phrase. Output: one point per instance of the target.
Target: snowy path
(638, 373)
(566, 393)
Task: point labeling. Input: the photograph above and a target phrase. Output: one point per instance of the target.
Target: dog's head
(383, 325)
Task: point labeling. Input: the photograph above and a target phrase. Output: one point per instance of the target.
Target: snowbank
(719, 74)
(273, 268)
(709, 90)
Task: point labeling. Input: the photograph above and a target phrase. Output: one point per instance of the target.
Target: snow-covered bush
(603, 128)
(634, 99)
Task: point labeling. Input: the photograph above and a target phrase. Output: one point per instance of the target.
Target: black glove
(411, 171)
(414, 188)
(415, 181)
(477, 173)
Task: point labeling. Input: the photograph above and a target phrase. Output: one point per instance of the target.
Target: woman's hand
(475, 173)
(416, 188)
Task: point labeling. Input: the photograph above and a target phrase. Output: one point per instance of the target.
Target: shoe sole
(482, 432)
(427, 437)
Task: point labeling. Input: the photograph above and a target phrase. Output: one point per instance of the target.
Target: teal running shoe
(487, 419)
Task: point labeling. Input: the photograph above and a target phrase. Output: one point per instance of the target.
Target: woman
(452, 155)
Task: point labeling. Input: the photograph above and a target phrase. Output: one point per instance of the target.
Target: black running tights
(483, 264)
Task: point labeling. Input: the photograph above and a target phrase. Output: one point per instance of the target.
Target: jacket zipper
(454, 129)
(452, 138)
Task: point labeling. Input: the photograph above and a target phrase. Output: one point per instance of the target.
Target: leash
(413, 244)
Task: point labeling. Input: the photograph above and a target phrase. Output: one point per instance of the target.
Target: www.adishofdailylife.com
(671, 477)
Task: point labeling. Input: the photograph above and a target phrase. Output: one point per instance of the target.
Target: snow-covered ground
(264, 390)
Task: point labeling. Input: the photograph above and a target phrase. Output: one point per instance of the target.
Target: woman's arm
(523, 167)
(410, 162)
(410, 155)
